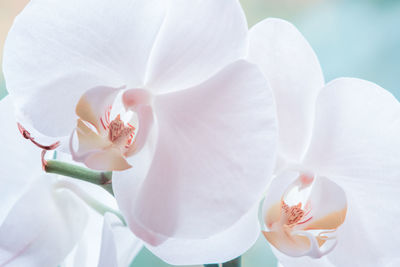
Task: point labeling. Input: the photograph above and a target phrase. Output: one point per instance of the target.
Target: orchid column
(157, 92)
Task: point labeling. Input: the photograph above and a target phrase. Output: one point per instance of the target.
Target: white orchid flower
(106, 241)
(38, 225)
(159, 90)
(337, 183)
(42, 218)
(119, 245)
(42, 226)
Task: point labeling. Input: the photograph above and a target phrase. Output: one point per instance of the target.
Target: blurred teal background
(352, 38)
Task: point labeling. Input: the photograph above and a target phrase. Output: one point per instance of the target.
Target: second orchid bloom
(337, 176)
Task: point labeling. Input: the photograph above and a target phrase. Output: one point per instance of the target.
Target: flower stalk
(233, 263)
(102, 179)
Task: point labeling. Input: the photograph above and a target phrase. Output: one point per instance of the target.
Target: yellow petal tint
(85, 111)
(103, 156)
(95, 105)
(293, 244)
(292, 228)
(284, 241)
(331, 221)
(109, 159)
(102, 142)
(105, 142)
(273, 214)
(88, 139)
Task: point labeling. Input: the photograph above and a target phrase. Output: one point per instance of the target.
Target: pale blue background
(353, 38)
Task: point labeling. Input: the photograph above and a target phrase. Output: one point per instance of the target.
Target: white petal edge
(119, 246)
(27, 235)
(222, 247)
(287, 261)
(355, 139)
(87, 251)
(20, 159)
(356, 132)
(328, 205)
(274, 194)
(197, 39)
(294, 73)
(368, 230)
(55, 51)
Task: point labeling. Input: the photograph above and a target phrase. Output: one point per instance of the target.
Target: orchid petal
(293, 245)
(271, 207)
(95, 105)
(106, 160)
(370, 230)
(122, 181)
(213, 158)
(20, 156)
(56, 51)
(217, 248)
(48, 214)
(89, 140)
(360, 150)
(87, 250)
(119, 246)
(319, 203)
(96, 149)
(295, 76)
(356, 132)
(287, 261)
(197, 39)
(139, 101)
(271, 213)
(328, 206)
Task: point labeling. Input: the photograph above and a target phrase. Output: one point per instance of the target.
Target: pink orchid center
(291, 215)
(295, 207)
(120, 133)
(305, 220)
(112, 127)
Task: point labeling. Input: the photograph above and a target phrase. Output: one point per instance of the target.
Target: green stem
(233, 263)
(102, 179)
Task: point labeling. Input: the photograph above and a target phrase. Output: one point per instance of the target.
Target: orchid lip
(305, 219)
(113, 125)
